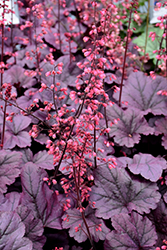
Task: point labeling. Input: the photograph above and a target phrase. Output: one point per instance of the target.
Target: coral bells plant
(83, 125)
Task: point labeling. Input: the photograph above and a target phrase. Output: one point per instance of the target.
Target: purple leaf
(32, 184)
(115, 192)
(131, 232)
(9, 168)
(52, 38)
(42, 139)
(22, 140)
(40, 115)
(123, 161)
(159, 218)
(141, 94)
(26, 100)
(148, 166)
(68, 76)
(39, 198)
(109, 79)
(107, 150)
(33, 227)
(11, 202)
(165, 197)
(17, 33)
(54, 210)
(46, 94)
(42, 159)
(128, 128)
(15, 75)
(12, 231)
(14, 134)
(22, 59)
(161, 128)
(74, 218)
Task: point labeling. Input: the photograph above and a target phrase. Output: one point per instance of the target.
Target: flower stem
(126, 48)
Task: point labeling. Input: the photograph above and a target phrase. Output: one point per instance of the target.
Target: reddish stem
(126, 49)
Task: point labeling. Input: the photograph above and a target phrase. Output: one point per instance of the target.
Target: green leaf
(151, 45)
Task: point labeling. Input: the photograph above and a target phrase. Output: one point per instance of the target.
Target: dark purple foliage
(131, 232)
(73, 220)
(128, 125)
(159, 219)
(12, 232)
(15, 75)
(33, 227)
(9, 168)
(15, 134)
(161, 128)
(77, 170)
(140, 92)
(115, 192)
(39, 198)
(42, 159)
(148, 166)
(10, 202)
(26, 100)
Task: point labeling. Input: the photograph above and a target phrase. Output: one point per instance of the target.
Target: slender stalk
(95, 159)
(87, 228)
(148, 12)
(126, 49)
(70, 50)
(160, 47)
(54, 101)
(27, 112)
(59, 23)
(3, 128)
(82, 213)
(2, 48)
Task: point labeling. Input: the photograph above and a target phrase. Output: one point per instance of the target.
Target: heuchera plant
(83, 127)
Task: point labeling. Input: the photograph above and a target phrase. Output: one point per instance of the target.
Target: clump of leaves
(71, 158)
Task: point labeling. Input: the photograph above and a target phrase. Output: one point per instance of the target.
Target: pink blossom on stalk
(152, 74)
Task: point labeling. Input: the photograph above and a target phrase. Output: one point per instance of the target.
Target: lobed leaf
(115, 192)
(14, 134)
(42, 159)
(159, 218)
(131, 233)
(33, 227)
(140, 92)
(9, 168)
(148, 166)
(128, 127)
(39, 198)
(22, 59)
(10, 202)
(12, 231)
(161, 128)
(75, 220)
(27, 99)
(15, 75)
